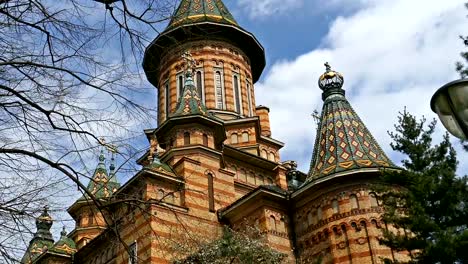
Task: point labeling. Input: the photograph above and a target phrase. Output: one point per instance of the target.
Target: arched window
(250, 177)
(264, 154)
(259, 180)
(237, 94)
(335, 206)
(234, 138)
(186, 138)
(171, 198)
(373, 200)
(161, 194)
(269, 181)
(219, 90)
(271, 156)
(272, 223)
(180, 85)
(211, 202)
(309, 218)
(245, 137)
(90, 219)
(242, 175)
(314, 217)
(205, 140)
(353, 201)
(200, 86)
(319, 214)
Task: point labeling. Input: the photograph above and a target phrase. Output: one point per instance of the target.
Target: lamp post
(450, 103)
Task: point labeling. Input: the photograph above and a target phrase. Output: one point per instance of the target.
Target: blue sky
(393, 53)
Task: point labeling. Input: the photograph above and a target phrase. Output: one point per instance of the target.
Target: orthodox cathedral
(213, 162)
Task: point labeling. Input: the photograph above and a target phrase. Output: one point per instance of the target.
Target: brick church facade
(213, 162)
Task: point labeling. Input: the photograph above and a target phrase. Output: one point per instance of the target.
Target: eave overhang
(259, 193)
(217, 126)
(241, 38)
(249, 158)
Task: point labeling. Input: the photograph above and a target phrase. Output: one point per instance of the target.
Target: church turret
(89, 220)
(42, 240)
(343, 141)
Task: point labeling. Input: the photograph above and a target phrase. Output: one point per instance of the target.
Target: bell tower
(226, 61)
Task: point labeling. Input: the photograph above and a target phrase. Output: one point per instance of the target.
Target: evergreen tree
(461, 67)
(426, 203)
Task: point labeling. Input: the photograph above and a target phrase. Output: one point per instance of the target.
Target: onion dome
(65, 245)
(202, 20)
(42, 239)
(343, 141)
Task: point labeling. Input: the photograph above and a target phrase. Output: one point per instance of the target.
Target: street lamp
(450, 102)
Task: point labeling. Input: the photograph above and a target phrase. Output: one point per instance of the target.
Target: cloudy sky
(392, 53)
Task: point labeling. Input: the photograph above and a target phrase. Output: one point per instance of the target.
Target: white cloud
(261, 8)
(393, 53)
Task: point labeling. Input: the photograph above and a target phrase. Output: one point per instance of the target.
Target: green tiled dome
(343, 141)
(191, 11)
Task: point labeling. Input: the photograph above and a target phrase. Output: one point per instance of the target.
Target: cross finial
(189, 62)
(327, 66)
(316, 117)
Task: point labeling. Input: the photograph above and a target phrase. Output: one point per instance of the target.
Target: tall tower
(89, 220)
(337, 213)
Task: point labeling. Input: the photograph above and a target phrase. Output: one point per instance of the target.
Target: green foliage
(236, 247)
(425, 202)
(461, 67)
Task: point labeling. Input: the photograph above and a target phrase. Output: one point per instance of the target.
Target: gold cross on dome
(189, 61)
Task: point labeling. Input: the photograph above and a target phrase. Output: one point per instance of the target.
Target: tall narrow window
(205, 140)
(319, 213)
(133, 254)
(234, 139)
(272, 223)
(250, 178)
(309, 218)
(353, 201)
(219, 90)
(200, 88)
(211, 204)
(167, 99)
(90, 219)
(245, 137)
(335, 206)
(180, 85)
(242, 175)
(264, 154)
(186, 138)
(237, 94)
(271, 156)
(373, 200)
(249, 99)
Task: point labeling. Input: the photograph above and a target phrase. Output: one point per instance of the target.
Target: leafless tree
(66, 80)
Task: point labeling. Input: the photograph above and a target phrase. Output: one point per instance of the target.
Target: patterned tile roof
(191, 11)
(102, 184)
(190, 102)
(42, 239)
(343, 141)
(65, 245)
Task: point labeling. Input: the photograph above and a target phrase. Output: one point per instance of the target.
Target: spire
(103, 184)
(194, 11)
(42, 239)
(343, 141)
(65, 245)
(190, 102)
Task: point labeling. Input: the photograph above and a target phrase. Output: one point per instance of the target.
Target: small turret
(42, 239)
